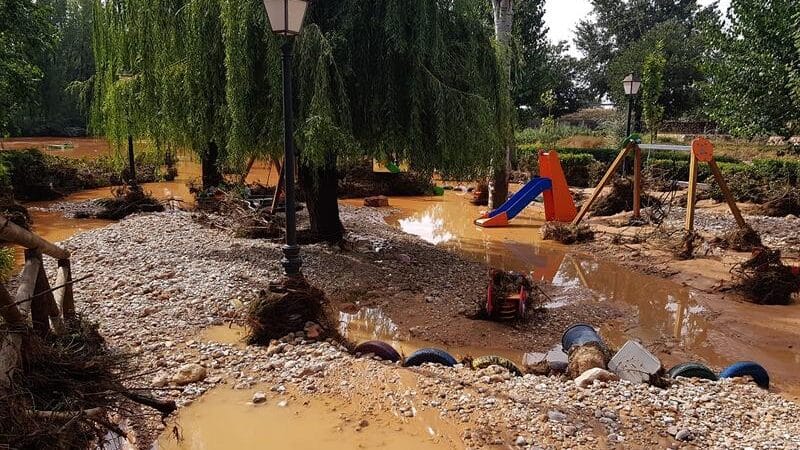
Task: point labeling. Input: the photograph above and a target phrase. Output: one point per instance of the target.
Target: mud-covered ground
(161, 279)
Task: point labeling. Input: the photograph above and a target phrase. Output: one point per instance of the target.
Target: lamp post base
(291, 261)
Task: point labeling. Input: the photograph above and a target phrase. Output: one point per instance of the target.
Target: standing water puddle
(226, 418)
(666, 313)
(372, 324)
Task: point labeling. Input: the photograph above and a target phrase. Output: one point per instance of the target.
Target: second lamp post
(631, 84)
(286, 19)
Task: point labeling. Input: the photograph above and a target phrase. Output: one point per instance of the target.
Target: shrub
(744, 182)
(35, 175)
(581, 169)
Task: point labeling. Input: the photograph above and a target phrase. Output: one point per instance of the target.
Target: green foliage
(616, 26)
(57, 108)
(540, 136)
(652, 88)
(580, 169)
(25, 36)
(424, 81)
(253, 82)
(34, 175)
(539, 66)
(6, 264)
(421, 80)
(751, 63)
(5, 179)
(681, 48)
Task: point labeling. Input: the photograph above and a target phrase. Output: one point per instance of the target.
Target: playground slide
(508, 210)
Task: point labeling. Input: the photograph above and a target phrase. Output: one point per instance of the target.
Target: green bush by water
(34, 175)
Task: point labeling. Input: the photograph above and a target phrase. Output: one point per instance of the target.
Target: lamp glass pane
(635, 86)
(276, 11)
(297, 12)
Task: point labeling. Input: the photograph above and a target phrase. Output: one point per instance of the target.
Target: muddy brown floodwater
(679, 322)
(227, 418)
(54, 227)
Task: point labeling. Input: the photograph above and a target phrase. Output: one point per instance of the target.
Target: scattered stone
(283, 404)
(160, 381)
(190, 373)
(588, 378)
(684, 435)
(556, 416)
(377, 201)
(259, 397)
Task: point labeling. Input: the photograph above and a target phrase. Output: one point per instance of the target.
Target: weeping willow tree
(420, 80)
(161, 76)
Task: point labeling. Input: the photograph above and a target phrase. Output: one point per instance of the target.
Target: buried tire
(747, 368)
(430, 355)
(692, 370)
(380, 349)
(486, 361)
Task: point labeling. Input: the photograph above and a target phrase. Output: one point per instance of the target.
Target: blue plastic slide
(523, 197)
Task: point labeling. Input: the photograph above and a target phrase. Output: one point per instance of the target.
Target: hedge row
(748, 181)
(607, 155)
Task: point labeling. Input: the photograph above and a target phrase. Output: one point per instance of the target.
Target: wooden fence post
(27, 280)
(65, 296)
(12, 232)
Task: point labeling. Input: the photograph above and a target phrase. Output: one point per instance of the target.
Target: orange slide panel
(558, 202)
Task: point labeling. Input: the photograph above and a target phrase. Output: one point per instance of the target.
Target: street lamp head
(631, 83)
(286, 16)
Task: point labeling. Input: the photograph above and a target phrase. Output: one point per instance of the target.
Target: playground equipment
(558, 203)
(701, 150)
(389, 166)
(507, 296)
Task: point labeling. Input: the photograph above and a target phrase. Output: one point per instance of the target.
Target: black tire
(745, 368)
(486, 361)
(380, 349)
(692, 370)
(430, 355)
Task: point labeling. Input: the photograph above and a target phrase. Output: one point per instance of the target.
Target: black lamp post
(631, 84)
(286, 19)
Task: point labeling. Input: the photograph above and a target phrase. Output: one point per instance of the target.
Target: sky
(563, 15)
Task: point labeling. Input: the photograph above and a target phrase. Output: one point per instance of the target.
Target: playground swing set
(560, 206)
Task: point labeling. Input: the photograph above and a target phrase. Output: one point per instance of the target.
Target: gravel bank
(777, 232)
(494, 408)
(160, 279)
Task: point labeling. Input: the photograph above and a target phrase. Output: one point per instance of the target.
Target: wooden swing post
(603, 182)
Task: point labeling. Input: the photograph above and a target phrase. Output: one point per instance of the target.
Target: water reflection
(662, 308)
(372, 324)
(429, 226)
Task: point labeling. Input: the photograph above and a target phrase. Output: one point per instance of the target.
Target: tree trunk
(503, 13)
(212, 175)
(320, 189)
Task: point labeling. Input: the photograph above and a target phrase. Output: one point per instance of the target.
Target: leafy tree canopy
(25, 35)
(615, 26)
(751, 65)
(682, 50)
